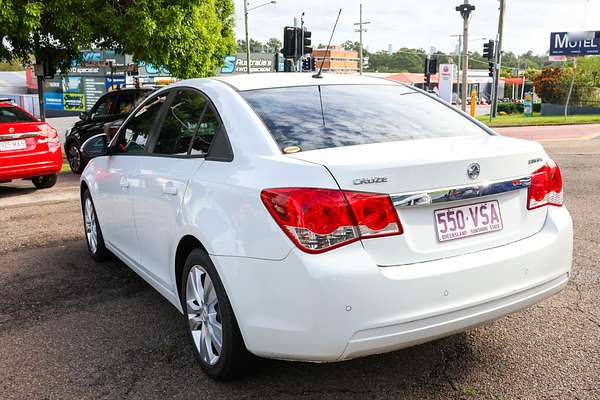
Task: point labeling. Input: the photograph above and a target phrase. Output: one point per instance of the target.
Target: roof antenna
(318, 74)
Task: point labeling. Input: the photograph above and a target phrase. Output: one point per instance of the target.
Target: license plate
(464, 221)
(12, 145)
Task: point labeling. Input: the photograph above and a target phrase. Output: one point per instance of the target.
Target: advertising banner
(74, 101)
(446, 82)
(575, 43)
(259, 62)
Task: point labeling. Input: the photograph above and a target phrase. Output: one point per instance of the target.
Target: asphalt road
(74, 329)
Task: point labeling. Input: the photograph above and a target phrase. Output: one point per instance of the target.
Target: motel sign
(575, 43)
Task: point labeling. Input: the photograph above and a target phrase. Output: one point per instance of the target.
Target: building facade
(337, 60)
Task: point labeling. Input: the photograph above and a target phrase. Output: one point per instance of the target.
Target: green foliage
(274, 45)
(552, 84)
(525, 61)
(255, 46)
(549, 85)
(188, 37)
(403, 60)
(350, 45)
(511, 108)
(4, 66)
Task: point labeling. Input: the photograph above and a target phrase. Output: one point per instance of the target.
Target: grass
(538, 120)
(65, 167)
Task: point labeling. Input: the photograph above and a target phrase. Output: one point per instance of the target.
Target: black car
(106, 116)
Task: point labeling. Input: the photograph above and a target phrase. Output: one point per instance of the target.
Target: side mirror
(95, 146)
(83, 115)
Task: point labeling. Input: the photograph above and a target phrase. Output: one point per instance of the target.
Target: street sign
(575, 43)
(557, 58)
(446, 82)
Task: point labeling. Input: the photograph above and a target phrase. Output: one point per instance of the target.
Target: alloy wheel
(91, 227)
(203, 315)
(74, 158)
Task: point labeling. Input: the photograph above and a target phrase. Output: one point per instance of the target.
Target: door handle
(124, 182)
(169, 188)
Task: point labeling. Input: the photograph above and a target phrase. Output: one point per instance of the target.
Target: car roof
(241, 82)
(130, 89)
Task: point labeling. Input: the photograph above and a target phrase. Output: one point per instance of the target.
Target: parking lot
(74, 329)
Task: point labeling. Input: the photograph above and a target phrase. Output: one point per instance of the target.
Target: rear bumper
(28, 165)
(341, 305)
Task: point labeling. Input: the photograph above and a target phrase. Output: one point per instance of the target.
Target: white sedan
(321, 220)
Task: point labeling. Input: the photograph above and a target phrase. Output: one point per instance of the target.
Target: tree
(350, 45)
(274, 45)
(549, 85)
(188, 37)
(255, 46)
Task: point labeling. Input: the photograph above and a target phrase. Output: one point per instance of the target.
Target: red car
(29, 148)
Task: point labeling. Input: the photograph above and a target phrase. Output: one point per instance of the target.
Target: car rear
(28, 147)
(432, 225)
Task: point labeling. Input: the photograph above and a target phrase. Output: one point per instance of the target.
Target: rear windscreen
(317, 117)
(13, 114)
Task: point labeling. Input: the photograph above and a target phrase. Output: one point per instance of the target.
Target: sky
(423, 23)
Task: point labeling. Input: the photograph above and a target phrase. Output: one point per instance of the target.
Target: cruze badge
(473, 170)
(372, 179)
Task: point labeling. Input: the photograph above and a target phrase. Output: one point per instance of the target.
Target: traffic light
(488, 50)
(433, 66)
(306, 47)
(430, 66)
(491, 68)
(313, 64)
(305, 64)
(49, 69)
(290, 41)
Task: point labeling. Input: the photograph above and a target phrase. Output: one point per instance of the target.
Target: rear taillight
(546, 187)
(318, 220)
(50, 136)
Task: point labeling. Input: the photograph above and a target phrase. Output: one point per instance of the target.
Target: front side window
(134, 135)
(103, 107)
(10, 114)
(181, 123)
(317, 117)
(125, 103)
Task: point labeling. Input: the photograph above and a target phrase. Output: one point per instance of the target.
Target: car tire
(93, 234)
(75, 158)
(44, 181)
(206, 315)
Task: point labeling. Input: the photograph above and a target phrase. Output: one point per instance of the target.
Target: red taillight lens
(318, 220)
(48, 135)
(374, 214)
(546, 187)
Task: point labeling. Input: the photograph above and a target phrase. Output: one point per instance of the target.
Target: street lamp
(246, 10)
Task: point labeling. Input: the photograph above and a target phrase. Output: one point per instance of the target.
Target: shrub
(510, 108)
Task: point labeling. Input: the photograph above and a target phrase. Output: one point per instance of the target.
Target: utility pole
(494, 109)
(458, 64)
(361, 30)
(246, 10)
(247, 38)
(465, 11)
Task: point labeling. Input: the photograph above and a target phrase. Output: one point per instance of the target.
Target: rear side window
(317, 117)
(208, 129)
(14, 114)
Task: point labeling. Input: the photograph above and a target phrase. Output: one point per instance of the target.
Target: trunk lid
(426, 165)
(33, 133)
